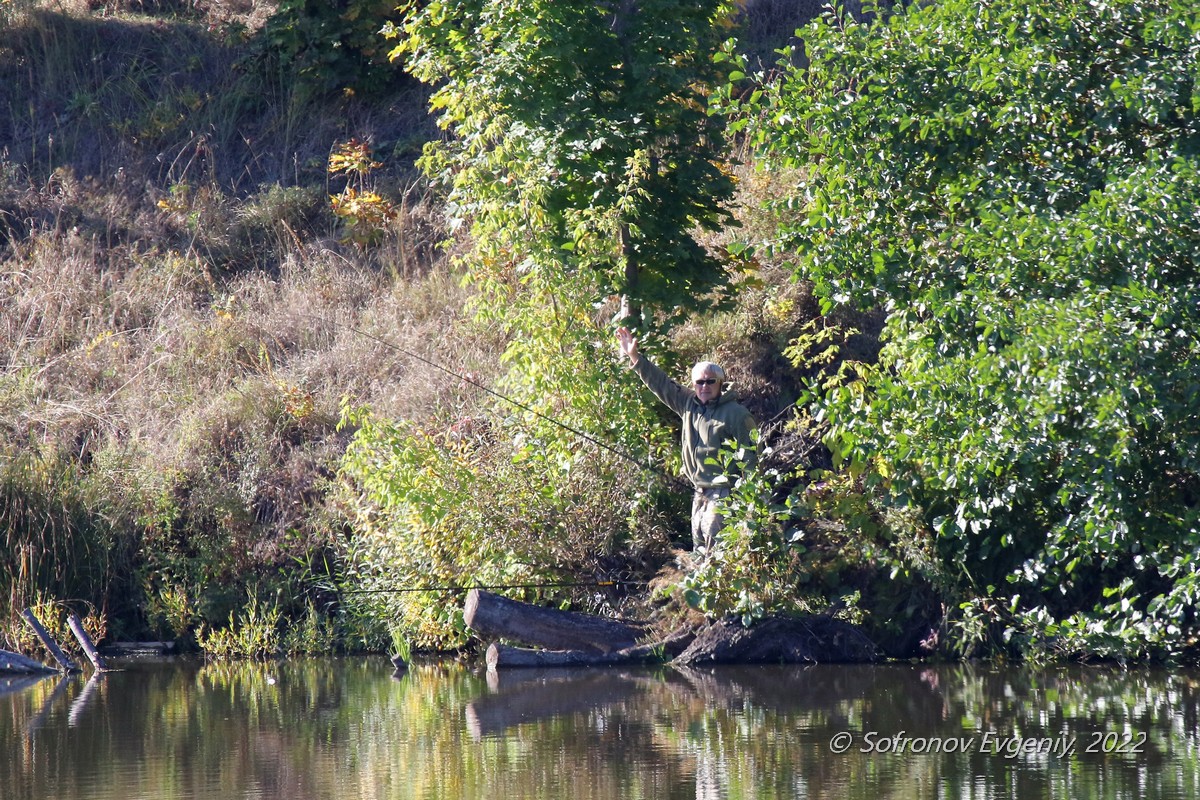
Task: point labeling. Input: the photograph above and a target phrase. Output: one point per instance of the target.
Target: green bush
(1018, 195)
(474, 502)
(752, 569)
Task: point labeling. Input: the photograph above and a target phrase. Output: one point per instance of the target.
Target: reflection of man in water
(712, 777)
(712, 419)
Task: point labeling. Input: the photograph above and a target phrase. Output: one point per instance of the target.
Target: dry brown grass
(212, 400)
(179, 323)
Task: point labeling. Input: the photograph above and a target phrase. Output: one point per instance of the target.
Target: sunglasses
(706, 382)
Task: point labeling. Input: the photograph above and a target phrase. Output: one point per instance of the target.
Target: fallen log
(67, 664)
(17, 663)
(495, 617)
(502, 656)
(570, 639)
(119, 649)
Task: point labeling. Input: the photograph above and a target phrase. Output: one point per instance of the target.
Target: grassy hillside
(183, 317)
(179, 311)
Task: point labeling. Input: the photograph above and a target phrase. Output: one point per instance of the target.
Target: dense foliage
(1016, 183)
(332, 46)
(581, 139)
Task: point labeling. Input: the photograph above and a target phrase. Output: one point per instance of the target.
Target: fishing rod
(467, 379)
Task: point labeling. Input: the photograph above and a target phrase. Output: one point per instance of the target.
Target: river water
(350, 729)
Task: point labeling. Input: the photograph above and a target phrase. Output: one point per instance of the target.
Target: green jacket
(706, 427)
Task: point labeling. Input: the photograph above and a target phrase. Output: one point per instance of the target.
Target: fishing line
(564, 585)
(569, 428)
(581, 434)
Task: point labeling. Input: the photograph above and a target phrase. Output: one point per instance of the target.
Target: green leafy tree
(581, 144)
(580, 164)
(1017, 184)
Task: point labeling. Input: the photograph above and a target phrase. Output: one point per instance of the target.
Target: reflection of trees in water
(739, 732)
(1086, 703)
(765, 732)
(345, 729)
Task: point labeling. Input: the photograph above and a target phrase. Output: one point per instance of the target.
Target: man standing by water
(712, 419)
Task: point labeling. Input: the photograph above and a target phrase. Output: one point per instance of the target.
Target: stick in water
(67, 664)
(85, 642)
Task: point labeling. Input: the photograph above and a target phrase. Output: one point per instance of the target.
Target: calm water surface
(350, 729)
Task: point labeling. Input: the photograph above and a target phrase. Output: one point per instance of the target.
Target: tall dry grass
(194, 415)
(179, 321)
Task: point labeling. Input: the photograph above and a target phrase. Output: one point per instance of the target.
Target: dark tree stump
(780, 640)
